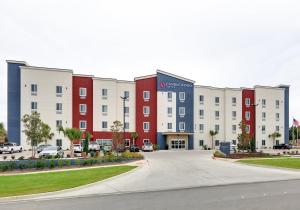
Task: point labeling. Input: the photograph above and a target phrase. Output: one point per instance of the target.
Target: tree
(72, 134)
(33, 129)
(2, 132)
(244, 137)
(86, 142)
(134, 136)
(212, 133)
(274, 136)
(293, 134)
(117, 135)
(46, 133)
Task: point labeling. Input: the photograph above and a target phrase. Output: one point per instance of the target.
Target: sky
(224, 43)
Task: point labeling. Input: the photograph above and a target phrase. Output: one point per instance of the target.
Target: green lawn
(53, 181)
(277, 162)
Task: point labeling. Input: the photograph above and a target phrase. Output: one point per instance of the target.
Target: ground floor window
(201, 143)
(217, 143)
(277, 142)
(58, 142)
(178, 144)
(127, 142)
(145, 141)
(234, 142)
(263, 142)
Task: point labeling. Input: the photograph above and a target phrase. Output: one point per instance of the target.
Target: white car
(77, 148)
(52, 151)
(10, 148)
(94, 146)
(147, 147)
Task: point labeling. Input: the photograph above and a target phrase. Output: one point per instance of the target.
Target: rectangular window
(181, 126)
(126, 125)
(104, 93)
(233, 128)
(127, 142)
(277, 142)
(126, 110)
(82, 108)
(169, 96)
(126, 94)
(233, 100)
(82, 92)
(146, 126)
(201, 99)
(234, 142)
(58, 123)
(104, 124)
(247, 102)
(82, 124)
(217, 127)
(170, 111)
(146, 95)
(33, 105)
(217, 143)
(264, 115)
(264, 103)
(217, 101)
(247, 129)
(201, 143)
(181, 96)
(104, 108)
(169, 126)
(277, 116)
(33, 89)
(58, 142)
(263, 129)
(263, 142)
(59, 108)
(181, 111)
(201, 113)
(146, 141)
(247, 115)
(201, 128)
(58, 90)
(277, 128)
(233, 115)
(146, 110)
(277, 104)
(217, 115)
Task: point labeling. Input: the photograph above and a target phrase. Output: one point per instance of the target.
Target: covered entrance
(177, 141)
(177, 144)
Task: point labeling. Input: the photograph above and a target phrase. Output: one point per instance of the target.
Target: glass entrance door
(178, 144)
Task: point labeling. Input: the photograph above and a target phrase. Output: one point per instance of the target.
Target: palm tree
(212, 133)
(134, 135)
(73, 134)
(274, 135)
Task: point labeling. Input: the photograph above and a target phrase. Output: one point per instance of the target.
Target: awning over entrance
(177, 140)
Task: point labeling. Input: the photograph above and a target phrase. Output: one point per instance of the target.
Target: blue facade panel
(191, 142)
(286, 113)
(161, 140)
(13, 102)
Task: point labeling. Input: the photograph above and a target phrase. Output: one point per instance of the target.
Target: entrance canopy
(177, 140)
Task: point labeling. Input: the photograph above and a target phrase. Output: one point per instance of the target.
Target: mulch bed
(248, 155)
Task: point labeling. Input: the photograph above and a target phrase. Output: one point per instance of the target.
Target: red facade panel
(147, 84)
(249, 93)
(108, 135)
(83, 82)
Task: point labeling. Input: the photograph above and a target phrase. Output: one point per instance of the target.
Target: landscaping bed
(293, 163)
(241, 155)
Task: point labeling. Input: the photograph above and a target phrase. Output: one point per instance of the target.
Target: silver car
(147, 147)
(77, 148)
(52, 151)
(42, 147)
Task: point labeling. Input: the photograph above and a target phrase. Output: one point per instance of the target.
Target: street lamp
(255, 105)
(124, 98)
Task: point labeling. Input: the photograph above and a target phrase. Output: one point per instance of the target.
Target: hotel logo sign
(174, 85)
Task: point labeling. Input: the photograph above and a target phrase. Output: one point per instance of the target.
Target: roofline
(105, 79)
(126, 81)
(174, 75)
(19, 62)
(46, 69)
(82, 75)
(209, 87)
(145, 77)
(268, 87)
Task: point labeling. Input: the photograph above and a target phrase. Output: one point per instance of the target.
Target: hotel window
(217, 128)
(146, 95)
(233, 115)
(82, 108)
(247, 115)
(181, 126)
(82, 92)
(264, 103)
(104, 124)
(217, 143)
(169, 126)
(181, 111)
(217, 101)
(169, 96)
(58, 142)
(58, 123)
(126, 94)
(201, 99)
(277, 116)
(201, 143)
(264, 115)
(263, 129)
(263, 142)
(126, 110)
(181, 96)
(58, 90)
(201, 128)
(104, 93)
(146, 110)
(201, 113)
(146, 126)
(233, 128)
(247, 102)
(234, 142)
(126, 125)
(59, 108)
(217, 115)
(33, 89)
(277, 128)
(170, 111)
(247, 129)
(233, 100)
(104, 109)
(277, 104)
(82, 124)
(127, 142)
(146, 141)
(34, 106)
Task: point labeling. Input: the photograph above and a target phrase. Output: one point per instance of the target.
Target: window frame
(82, 121)
(147, 92)
(84, 91)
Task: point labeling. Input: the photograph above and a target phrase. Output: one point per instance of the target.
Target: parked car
(147, 147)
(134, 148)
(78, 148)
(10, 148)
(52, 151)
(41, 147)
(94, 146)
(106, 148)
(282, 146)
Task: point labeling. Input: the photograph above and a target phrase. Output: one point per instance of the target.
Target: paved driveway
(180, 169)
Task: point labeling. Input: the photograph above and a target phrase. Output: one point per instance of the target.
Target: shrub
(51, 164)
(78, 162)
(155, 147)
(56, 156)
(4, 157)
(130, 155)
(12, 157)
(22, 166)
(68, 155)
(60, 163)
(40, 164)
(21, 158)
(4, 167)
(219, 154)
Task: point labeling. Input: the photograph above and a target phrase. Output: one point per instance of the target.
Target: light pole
(124, 98)
(255, 105)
